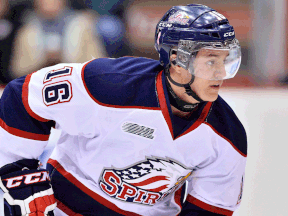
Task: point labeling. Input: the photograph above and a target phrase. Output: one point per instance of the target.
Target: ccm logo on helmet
(27, 179)
(229, 34)
(164, 24)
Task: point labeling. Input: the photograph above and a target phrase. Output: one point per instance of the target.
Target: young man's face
(209, 64)
(207, 90)
(209, 71)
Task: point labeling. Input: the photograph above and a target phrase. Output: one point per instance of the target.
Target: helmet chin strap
(175, 100)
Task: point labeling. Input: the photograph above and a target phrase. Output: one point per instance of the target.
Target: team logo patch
(179, 17)
(138, 130)
(146, 182)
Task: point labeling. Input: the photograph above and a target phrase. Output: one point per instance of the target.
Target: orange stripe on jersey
(164, 108)
(65, 209)
(86, 190)
(208, 207)
(163, 103)
(244, 155)
(25, 92)
(200, 120)
(23, 134)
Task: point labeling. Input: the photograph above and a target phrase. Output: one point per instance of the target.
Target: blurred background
(39, 33)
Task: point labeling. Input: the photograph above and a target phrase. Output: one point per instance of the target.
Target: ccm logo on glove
(26, 179)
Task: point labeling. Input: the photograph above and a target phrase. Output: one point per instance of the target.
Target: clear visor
(210, 62)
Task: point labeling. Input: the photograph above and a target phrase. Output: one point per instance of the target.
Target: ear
(173, 59)
(175, 67)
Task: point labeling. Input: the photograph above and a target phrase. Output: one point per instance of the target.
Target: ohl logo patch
(146, 182)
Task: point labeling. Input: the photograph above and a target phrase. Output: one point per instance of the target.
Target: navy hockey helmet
(187, 29)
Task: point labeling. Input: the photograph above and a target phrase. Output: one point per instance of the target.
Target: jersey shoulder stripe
(225, 123)
(14, 117)
(25, 92)
(23, 134)
(125, 82)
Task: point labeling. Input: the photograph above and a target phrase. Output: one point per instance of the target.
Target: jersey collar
(197, 118)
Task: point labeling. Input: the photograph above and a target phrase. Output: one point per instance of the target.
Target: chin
(210, 98)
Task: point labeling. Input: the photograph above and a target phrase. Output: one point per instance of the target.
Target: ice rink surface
(264, 114)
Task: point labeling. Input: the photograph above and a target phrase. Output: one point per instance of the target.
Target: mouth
(215, 86)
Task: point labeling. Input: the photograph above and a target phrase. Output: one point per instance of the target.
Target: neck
(180, 81)
(180, 113)
(176, 98)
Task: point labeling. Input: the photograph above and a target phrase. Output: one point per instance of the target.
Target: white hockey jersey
(121, 149)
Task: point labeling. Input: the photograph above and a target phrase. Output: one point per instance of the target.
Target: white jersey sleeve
(57, 93)
(31, 105)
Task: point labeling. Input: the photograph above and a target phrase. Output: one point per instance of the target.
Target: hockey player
(138, 137)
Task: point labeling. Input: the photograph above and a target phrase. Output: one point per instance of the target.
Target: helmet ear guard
(183, 57)
(174, 62)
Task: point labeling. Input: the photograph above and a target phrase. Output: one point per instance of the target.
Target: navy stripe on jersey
(189, 209)
(126, 81)
(224, 121)
(69, 191)
(65, 209)
(75, 199)
(15, 119)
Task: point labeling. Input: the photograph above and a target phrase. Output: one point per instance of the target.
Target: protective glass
(210, 61)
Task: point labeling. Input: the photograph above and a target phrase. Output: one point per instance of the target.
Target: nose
(220, 72)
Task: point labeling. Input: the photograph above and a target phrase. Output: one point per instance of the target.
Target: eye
(227, 60)
(210, 63)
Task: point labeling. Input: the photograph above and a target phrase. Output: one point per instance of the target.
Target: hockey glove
(27, 190)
